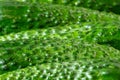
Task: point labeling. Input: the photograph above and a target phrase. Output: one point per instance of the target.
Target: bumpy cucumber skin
(86, 31)
(38, 51)
(109, 6)
(33, 16)
(94, 32)
(69, 41)
(75, 70)
(8, 61)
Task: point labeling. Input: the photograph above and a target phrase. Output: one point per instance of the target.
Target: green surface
(56, 40)
(33, 52)
(34, 16)
(75, 70)
(101, 5)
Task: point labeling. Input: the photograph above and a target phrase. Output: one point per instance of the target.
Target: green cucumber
(34, 16)
(86, 31)
(75, 70)
(44, 50)
(101, 5)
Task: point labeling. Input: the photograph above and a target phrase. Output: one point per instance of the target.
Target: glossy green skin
(101, 5)
(86, 31)
(34, 16)
(63, 37)
(20, 54)
(89, 31)
(75, 70)
(51, 47)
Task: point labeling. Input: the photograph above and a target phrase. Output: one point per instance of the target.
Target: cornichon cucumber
(75, 70)
(68, 49)
(101, 5)
(38, 51)
(33, 16)
(85, 31)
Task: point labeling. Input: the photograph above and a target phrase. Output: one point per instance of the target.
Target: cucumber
(75, 70)
(102, 5)
(44, 50)
(76, 40)
(87, 31)
(34, 16)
